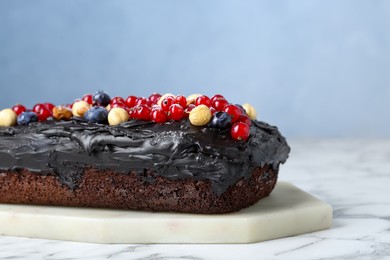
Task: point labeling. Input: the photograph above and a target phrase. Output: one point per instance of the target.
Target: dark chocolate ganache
(175, 150)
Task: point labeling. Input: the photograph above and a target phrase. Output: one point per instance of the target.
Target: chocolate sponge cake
(140, 164)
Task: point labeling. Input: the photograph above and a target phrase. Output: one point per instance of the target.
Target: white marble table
(352, 175)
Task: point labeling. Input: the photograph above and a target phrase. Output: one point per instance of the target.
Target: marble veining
(352, 175)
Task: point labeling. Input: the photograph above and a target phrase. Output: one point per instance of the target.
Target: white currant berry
(200, 115)
(80, 107)
(250, 111)
(117, 116)
(7, 117)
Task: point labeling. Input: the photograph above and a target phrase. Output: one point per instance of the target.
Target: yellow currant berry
(250, 110)
(117, 115)
(7, 117)
(80, 107)
(200, 115)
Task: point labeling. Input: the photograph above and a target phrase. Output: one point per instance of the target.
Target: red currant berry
(240, 131)
(243, 112)
(233, 111)
(181, 100)
(219, 103)
(245, 119)
(131, 101)
(188, 110)
(120, 105)
(88, 98)
(153, 99)
(217, 96)
(213, 110)
(131, 112)
(44, 114)
(155, 106)
(18, 109)
(142, 112)
(176, 112)
(203, 100)
(143, 101)
(158, 115)
(117, 100)
(167, 102)
(38, 107)
(50, 106)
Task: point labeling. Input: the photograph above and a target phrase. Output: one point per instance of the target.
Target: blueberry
(27, 117)
(221, 120)
(96, 115)
(101, 98)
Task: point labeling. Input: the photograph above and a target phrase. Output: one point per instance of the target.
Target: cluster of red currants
(160, 109)
(43, 111)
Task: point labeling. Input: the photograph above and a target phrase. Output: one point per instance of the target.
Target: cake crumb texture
(109, 189)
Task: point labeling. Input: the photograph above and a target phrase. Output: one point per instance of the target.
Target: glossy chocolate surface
(176, 150)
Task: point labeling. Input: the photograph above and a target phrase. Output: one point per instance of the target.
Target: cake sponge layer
(109, 189)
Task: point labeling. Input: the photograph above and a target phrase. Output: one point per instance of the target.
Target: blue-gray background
(314, 68)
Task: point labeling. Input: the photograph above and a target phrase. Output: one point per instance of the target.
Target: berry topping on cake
(200, 115)
(117, 116)
(167, 102)
(245, 119)
(240, 131)
(154, 98)
(118, 100)
(142, 112)
(87, 98)
(191, 98)
(158, 115)
(243, 112)
(218, 103)
(131, 101)
(101, 98)
(49, 106)
(200, 110)
(163, 97)
(143, 101)
(44, 111)
(217, 96)
(221, 120)
(176, 112)
(250, 111)
(80, 107)
(18, 109)
(7, 117)
(38, 107)
(234, 111)
(181, 100)
(96, 115)
(188, 109)
(27, 117)
(203, 100)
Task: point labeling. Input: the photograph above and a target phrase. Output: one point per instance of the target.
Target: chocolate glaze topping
(175, 150)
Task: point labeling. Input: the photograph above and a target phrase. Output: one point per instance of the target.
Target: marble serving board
(288, 211)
